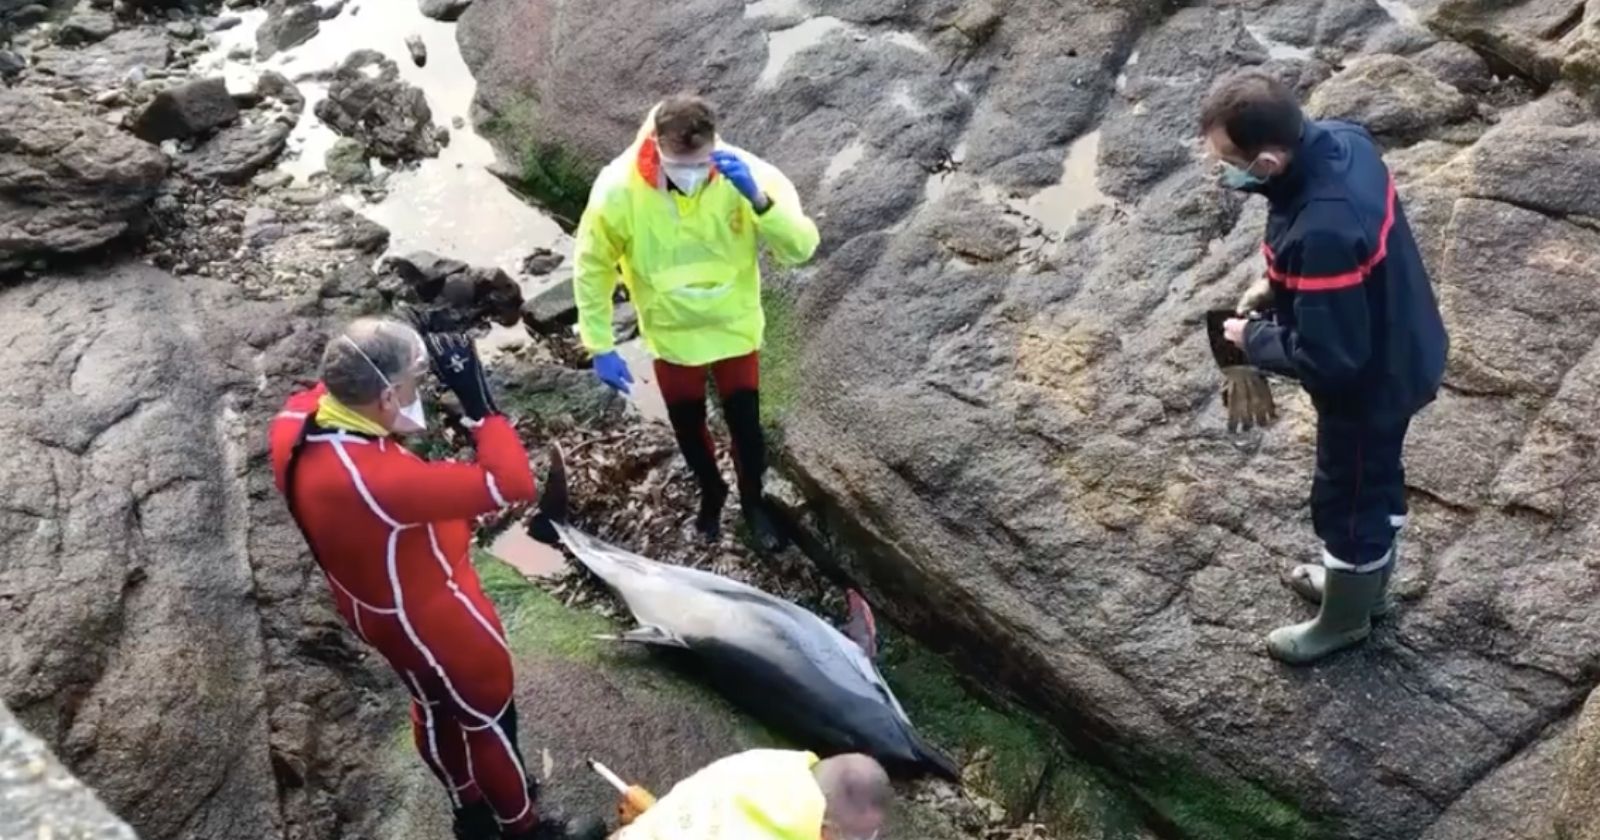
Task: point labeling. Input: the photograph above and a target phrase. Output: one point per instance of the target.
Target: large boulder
(289, 26)
(187, 110)
(131, 639)
(161, 624)
(367, 101)
(68, 183)
(1543, 40)
(1392, 96)
(1059, 502)
(235, 154)
(127, 55)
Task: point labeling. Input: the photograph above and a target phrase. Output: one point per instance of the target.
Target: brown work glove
(1248, 398)
(1257, 298)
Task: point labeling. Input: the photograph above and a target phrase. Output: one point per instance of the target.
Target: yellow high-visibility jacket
(754, 795)
(688, 261)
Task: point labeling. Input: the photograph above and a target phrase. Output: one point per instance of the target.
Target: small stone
(276, 179)
(86, 28)
(29, 15)
(541, 262)
(11, 64)
(419, 50)
(445, 10)
(184, 29)
(262, 227)
(330, 10)
(346, 162)
(226, 22)
(109, 98)
(442, 136)
(458, 123)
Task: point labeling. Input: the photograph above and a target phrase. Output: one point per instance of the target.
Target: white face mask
(411, 419)
(687, 176)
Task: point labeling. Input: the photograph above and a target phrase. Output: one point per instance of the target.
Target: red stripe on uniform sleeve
(1335, 282)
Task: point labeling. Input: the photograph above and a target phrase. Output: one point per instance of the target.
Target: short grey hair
(856, 788)
(353, 360)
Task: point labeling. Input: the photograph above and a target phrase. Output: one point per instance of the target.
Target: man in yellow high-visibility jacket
(771, 795)
(679, 217)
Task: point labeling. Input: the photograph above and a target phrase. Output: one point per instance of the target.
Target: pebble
(184, 29)
(226, 22)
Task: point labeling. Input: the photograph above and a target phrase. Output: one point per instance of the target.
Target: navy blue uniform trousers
(1360, 486)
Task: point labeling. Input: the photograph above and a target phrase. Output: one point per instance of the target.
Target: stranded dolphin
(778, 661)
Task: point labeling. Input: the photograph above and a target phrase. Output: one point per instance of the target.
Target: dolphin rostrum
(775, 659)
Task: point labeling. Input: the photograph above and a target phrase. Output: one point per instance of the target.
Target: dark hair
(1255, 109)
(686, 121)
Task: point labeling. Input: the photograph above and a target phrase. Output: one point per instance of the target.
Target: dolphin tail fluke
(650, 634)
(554, 502)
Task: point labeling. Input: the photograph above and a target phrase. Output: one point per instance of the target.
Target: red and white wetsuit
(391, 532)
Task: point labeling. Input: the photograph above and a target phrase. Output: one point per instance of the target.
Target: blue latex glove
(738, 174)
(613, 371)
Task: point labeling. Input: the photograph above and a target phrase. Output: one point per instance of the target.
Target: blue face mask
(1235, 178)
(1240, 178)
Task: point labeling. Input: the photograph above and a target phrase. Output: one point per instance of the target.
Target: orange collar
(648, 164)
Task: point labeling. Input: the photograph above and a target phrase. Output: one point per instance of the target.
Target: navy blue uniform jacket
(1354, 316)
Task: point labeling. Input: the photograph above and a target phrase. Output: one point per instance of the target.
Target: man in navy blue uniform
(1348, 312)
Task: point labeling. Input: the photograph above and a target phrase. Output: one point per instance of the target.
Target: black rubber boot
(743, 412)
(475, 822)
(689, 426)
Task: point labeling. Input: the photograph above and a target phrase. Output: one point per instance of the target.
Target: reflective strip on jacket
(753, 795)
(689, 262)
(1355, 317)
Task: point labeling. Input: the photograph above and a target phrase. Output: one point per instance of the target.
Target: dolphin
(776, 660)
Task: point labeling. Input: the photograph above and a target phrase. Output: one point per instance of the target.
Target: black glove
(455, 362)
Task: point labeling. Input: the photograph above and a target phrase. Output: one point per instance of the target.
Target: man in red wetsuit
(391, 533)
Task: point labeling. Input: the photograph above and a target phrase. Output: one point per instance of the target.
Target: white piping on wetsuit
(411, 633)
(433, 741)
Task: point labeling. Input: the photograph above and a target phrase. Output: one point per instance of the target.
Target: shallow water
(844, 160)
(1056, 208)
(451, 204)
(1278, 49)
(1401, 11)
(785, 44)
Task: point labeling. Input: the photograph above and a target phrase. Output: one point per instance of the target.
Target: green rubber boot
(1307, 579)
(1345, 619)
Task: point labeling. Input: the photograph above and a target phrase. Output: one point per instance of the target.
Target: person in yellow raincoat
(771, 795)
(679, 218)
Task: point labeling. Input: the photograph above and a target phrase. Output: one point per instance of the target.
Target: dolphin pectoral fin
(861, 627)
(554, 501)
(650, 634)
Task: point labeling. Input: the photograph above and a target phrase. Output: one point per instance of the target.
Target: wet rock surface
(68, 183)
(1060, 501)
(367, 101)
(237, 153)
